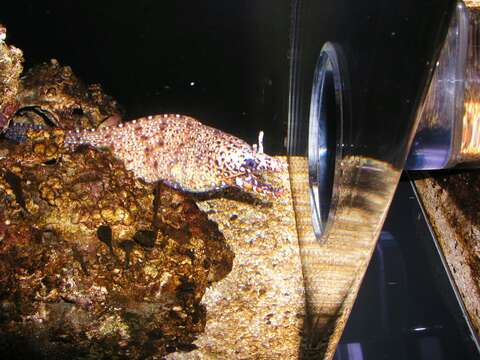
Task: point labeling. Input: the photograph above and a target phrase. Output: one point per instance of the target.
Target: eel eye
(250, 163)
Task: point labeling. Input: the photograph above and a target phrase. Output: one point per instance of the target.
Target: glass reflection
(406, 308)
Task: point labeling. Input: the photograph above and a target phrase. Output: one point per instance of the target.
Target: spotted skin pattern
(183, 153)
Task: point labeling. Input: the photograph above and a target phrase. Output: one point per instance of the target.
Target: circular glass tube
(441, 115)
(324, 137)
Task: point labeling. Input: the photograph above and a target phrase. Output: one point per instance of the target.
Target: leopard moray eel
(182, 152)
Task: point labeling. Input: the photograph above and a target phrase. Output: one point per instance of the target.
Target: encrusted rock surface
(11, 67)
(450, 200)
(93, 262)
(50, 94)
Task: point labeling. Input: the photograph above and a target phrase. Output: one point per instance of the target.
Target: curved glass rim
(324, 152)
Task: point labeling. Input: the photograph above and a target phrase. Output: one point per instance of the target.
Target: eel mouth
(251, 183)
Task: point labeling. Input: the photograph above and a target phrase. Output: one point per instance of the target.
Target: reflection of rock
(93, 262)
(334, 265)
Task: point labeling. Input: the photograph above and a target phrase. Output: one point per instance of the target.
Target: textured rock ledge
(450, 200)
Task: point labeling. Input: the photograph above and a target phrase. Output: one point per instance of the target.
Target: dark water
(225, 62)
(406, 308)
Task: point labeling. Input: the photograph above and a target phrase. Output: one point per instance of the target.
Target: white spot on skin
(239, 182)
(177, 115)
(150, 117)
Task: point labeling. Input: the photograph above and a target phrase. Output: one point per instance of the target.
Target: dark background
(224, 62)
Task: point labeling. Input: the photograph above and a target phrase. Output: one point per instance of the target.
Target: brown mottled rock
(94, 262)
(450, 200)
(49, 94)
(55, 93)
(11, 67)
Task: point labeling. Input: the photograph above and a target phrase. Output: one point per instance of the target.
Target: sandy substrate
(257, 311)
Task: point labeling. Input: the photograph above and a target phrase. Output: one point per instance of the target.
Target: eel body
(183, 153)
